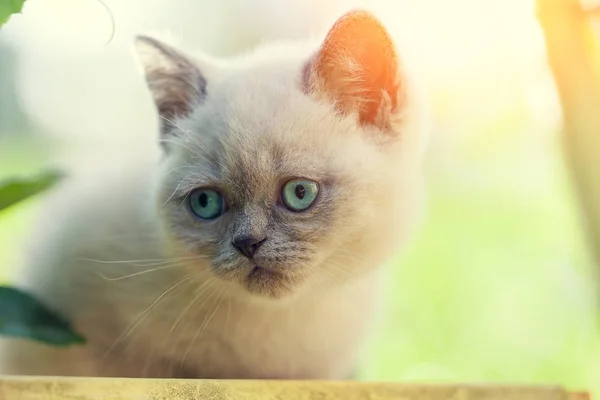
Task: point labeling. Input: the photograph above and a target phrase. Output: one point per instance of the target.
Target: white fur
(105, 219)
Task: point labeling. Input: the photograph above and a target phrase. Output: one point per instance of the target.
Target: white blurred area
(478, 58)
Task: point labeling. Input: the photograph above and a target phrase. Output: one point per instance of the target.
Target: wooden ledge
(49, 388)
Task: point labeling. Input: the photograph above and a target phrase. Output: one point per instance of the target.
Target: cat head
(290, 167)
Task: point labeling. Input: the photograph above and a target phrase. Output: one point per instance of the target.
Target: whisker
(199, 293)
(339, 267)
(197, 154)
(326, 275)
(186, 133)
(175, 191)
(134, 262)
(196, 295)
(203, 327)
(140, 318)
(138, 273)
(172, 123)
(187, 195)
(178, 168)
(207, 291)
(195, 277)
(349, 252)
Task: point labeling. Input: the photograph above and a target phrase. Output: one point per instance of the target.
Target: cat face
(291, 169)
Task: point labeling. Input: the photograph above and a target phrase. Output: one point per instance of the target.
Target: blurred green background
(497, 283)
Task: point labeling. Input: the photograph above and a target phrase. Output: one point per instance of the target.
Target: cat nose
(248, 245)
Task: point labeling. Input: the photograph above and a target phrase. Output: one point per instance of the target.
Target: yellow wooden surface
(34, 388)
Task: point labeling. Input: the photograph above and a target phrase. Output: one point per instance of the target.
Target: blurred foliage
(16, 190)
(496, 287)
(22, 315)
(9, 7)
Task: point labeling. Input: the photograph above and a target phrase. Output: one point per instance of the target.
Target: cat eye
(299, 194)
(206, 204)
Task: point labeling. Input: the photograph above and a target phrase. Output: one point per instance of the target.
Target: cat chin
(262, 283)
(269, 283)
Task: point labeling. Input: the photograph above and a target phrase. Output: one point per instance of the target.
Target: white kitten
(252, 244)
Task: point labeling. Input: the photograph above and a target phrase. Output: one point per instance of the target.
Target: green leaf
(16, 190)
(9, 7)
(23, 316)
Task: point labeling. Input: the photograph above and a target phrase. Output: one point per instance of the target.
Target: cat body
(252, 244)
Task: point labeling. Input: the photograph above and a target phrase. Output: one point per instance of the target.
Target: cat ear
(175, 82)
(357, 68)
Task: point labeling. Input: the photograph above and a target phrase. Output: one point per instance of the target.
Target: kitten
(253, 246)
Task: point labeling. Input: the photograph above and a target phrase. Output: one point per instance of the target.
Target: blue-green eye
(299, 194)
(206, 203)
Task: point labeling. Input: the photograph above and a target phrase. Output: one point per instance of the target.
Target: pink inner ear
(357, 65)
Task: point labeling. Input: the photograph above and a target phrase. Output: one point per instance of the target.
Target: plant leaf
(9, 7)
(23, 316)
(16, 190)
